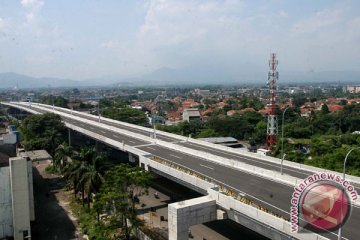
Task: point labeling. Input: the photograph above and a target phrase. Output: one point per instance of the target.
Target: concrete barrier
(104, 126)
(271, 175)
(268, 174)
(20, 107)
(229, 203)
(110, 142)
(279, 224)
(273, 160)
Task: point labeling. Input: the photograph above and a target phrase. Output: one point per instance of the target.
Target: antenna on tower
(272, 125)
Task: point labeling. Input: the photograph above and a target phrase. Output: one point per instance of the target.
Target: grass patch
(89, 225)
(51, 169)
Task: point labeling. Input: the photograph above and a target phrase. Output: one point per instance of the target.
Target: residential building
(16, 190)
(202, 93)
(352, 88)
(191, 114)
(189, 103)
(16, 197)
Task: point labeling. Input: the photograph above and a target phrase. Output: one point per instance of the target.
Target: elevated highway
(248, 186)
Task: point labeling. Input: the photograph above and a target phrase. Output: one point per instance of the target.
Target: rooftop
(38, 155)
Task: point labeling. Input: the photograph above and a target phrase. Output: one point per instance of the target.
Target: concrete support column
(133, 158)
(31, 190)
(144, 162)
(182, 215)
(69, 136)
(97, 147)
(20, 197)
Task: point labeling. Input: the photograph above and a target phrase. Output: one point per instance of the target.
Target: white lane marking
(240, 158)
(131, 141)
(206, 166)
(175, 156)
(151, 148)
(102, 131)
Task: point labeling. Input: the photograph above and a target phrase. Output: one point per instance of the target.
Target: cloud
(39, 60)
(283, 14)
(32, 8)
(354, 25)
(109, 44)
(32, 3)
(320, 20)
(179, 32)
(2, 24)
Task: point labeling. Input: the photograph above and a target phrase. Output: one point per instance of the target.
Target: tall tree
(62, 153)
(325, 109)
(45, 131)
(119, 193)
(126, 114)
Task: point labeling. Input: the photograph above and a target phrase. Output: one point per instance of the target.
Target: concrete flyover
(270, 163)
(242, 189)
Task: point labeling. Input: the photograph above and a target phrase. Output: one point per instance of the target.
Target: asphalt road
(295, 172)
(273, 195)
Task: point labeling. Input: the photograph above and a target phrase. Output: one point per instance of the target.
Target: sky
(121, 38)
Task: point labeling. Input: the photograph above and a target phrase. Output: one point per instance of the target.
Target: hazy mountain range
(189, 76)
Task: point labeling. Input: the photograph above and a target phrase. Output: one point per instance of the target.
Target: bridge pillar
(182, 215)
(133, 158)
(69, 136)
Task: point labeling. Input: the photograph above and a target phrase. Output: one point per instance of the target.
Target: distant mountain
(170, 76)
(186, 76)
(324, 76)
(199, 76)
(12, 80)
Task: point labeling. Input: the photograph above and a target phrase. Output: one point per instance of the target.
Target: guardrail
(228, 190)
(353, 179)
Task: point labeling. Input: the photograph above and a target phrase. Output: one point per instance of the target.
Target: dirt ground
(54, 220)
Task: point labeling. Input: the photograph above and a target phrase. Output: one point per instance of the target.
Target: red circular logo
(325, 206)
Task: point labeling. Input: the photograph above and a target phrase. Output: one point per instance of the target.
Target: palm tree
(52, 140)
(86, 172)
(62, 154)
(72, 174)
(91, 180)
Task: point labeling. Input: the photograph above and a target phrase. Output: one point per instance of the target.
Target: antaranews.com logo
(322, 202)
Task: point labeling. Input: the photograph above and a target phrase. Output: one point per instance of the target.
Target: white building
(16, 197)
(191, 114)
(202, 93)
(352, 88)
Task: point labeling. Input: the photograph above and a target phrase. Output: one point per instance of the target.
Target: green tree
(191, 127)
(205, 133)
(119, 194)
(126, 114)
(299, 100)
(85, 172)
(325, 109)
(259, 135)
(45, 131)
(90, 172)
(58, 101)
(62, 153)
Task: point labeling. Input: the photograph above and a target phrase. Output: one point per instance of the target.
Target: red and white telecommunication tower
(272, 125)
